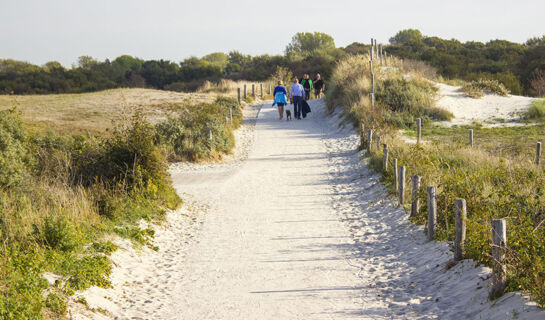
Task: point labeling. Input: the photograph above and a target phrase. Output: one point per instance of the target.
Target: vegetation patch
(536, 111)
(477, 89)
(497, 177)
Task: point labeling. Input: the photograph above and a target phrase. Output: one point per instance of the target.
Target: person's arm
(311, 86)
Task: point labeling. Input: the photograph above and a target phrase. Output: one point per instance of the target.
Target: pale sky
(38, 31)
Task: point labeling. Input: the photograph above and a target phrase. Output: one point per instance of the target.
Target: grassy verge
(63, 197)
(497, 177)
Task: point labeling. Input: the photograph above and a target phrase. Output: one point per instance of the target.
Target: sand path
(301, 229)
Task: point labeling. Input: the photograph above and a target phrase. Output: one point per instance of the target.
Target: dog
(288, 115)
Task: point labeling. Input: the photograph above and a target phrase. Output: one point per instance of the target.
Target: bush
(14, 157)
(476, 89)
(187, 137)
(56, 304)
(536, 111)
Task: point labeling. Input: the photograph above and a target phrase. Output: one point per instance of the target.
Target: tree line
(520, 67)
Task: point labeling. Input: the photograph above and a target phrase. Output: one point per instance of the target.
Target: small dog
(288, 115)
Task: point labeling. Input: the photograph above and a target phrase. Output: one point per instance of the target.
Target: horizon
(67, 30)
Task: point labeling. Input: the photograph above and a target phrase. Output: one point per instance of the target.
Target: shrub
(58, 233)
(476, 89)
(536, 111)
(14, 157)
(186, 135)
(56, 304)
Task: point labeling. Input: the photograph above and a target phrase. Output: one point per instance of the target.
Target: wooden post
(378, 143)
(270, 90)
(499, 242)
(253, 90)
(380, 53)
(432, 211)
(239, 100)
(538, 152)
(231, 115)
(385, 158)
(371, 50)
(401, 177)
(415, 203)
(471, 137)
(418, 130)
(376, 48)
(261, 86)
(245, 95)
(369, 140)
(460, 229)
(395, 174)
(209, 134)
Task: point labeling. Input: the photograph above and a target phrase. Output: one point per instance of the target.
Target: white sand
(490, 110)
(302, 229)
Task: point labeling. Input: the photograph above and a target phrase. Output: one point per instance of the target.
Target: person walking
(297, 95)
(319, 86)
(307, 85)
(280, 95)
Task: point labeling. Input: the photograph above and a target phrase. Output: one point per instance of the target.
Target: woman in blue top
(280, 95)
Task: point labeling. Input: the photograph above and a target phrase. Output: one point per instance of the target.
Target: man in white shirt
(297, 94)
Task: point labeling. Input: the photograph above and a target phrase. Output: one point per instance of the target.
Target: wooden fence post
(471, 137)
(418, 130)
(396, 185)
(460, 229)
(369, 140)
(261, 87)
(415, 203)
(270, 90)
(245, 95)
(538, 152)
(231, 115)
(253, 90)
(378, 143)
(499, 242)
(401, 177)
(371, 51)
(209, 134)
(432, 211)
(239, 99)
(385, 158)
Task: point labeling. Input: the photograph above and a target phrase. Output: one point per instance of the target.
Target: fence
(497, 227)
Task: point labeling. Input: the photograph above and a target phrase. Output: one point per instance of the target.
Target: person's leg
(281, 112)
(299, 107)
(295, 101)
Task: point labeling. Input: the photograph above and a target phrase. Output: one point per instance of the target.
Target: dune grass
(497, 176)
(536, 111)
(477, 89)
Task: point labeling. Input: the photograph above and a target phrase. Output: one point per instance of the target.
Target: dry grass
(95, 112)
(230, 87)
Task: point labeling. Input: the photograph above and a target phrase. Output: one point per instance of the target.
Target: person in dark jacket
(319, 86)
(307, 84)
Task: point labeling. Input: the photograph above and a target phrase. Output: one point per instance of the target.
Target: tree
(536, 41)
(307, 42)
(407, 36)
(86, 62)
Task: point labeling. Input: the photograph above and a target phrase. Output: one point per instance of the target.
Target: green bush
(14, 157)
(187, 134)
(536, 111)
(58, 233)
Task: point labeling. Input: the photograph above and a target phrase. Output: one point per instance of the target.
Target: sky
(39, 31)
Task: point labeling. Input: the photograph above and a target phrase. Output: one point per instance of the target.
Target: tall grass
(495, 183)
(477, 89)
(230, 87)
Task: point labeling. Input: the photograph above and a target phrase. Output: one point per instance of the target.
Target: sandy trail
(302, 229)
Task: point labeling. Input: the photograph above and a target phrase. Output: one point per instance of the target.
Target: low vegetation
(62, 197)
(477, 89)
(497, 177)
(536, 111)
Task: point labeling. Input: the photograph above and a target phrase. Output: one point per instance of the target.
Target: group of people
(299, 93)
